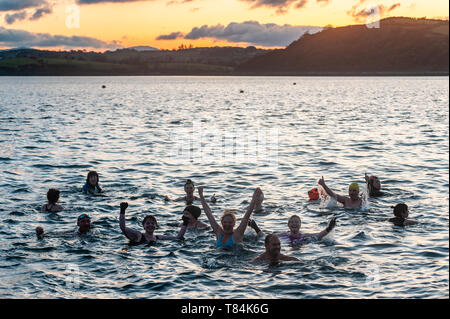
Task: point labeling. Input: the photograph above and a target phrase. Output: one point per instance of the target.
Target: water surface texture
(146, 135)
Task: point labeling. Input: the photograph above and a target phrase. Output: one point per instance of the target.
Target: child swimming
(351, 201)
(53, 198)
(189, 188)
(92, 184)
(149, 224)
(401, 213)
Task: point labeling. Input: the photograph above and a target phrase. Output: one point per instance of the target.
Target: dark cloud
(16, 5)
(39, 13)
(282, 6)
(171, 36)
(11, 18)
(252, 32)
(19, 38)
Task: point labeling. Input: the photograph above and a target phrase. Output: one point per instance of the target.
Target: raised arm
(215, 226)
(180, 233)
(130, 233)
(258, 231)
(339, 198)
(327, 230)
(239, 233)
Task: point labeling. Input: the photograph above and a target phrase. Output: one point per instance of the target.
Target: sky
(166, 24)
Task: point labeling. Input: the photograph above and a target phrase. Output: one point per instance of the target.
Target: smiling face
(149, 225)
(228, 224)
(294, 224)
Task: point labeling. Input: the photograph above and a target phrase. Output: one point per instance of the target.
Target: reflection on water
(147, 135)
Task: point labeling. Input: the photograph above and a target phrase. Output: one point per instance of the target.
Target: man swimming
(352, 201)
(83, 223)
(273, 253)
(52, 198)
(373, 185)
(193, 213)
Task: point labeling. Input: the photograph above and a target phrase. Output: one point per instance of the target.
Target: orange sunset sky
(108, 24)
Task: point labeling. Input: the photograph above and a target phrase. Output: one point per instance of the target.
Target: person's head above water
(149, 224)
(92, 178)
(401, 210)
(189, 187)
(375, 182)
(53, 195)
(84, 223)
(294, 224)
(273, 246)
(313, 194)
(228, 221)
(353, 191)
(193, 212)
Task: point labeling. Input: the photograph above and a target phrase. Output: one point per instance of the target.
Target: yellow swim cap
(354, 186)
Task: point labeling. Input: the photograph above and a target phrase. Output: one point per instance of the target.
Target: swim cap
(194, 210)
(354, 186)
(313, 194)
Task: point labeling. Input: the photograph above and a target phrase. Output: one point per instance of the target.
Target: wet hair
(294, 216)
(371, 180)
(53, 195)
(194, 210)
(91, 173)
(149, 217)
(399, 209)
(228, 212)
(189, 182)
(268, 238)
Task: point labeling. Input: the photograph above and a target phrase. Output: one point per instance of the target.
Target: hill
(403, 46)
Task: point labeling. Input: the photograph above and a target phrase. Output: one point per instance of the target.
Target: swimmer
(351, 201)
(273, 252)
(83, 223)
(193, 213)
(92, 186)
(149, 224)
(401, 213)
(373, 185)
(226, 235)
(294, 235)
(258, 204)
(189, 188)
(53, 198)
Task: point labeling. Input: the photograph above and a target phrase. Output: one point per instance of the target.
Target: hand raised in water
(185, 220)
(200, 191)
(39, 231)
(123, 206)
(256, 195)
(331, 224)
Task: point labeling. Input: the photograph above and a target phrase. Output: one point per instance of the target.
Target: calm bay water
(147, 135)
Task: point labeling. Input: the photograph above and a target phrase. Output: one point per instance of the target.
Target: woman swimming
(92, 184)
(53, 198)
(294, 236)
(226, 235)
(401, 212)
(189, 188)
(149, 224)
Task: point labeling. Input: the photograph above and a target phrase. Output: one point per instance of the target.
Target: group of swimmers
(226, 233)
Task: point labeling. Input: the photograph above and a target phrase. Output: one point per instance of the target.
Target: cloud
(105, 1)
(171, 36)
(39, 13)
(11, 18)
(250, 32)
(282, 6)
(20, 38)
(16, 5)
(371, 10)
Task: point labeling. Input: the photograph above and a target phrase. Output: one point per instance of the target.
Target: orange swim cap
(313, 194)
